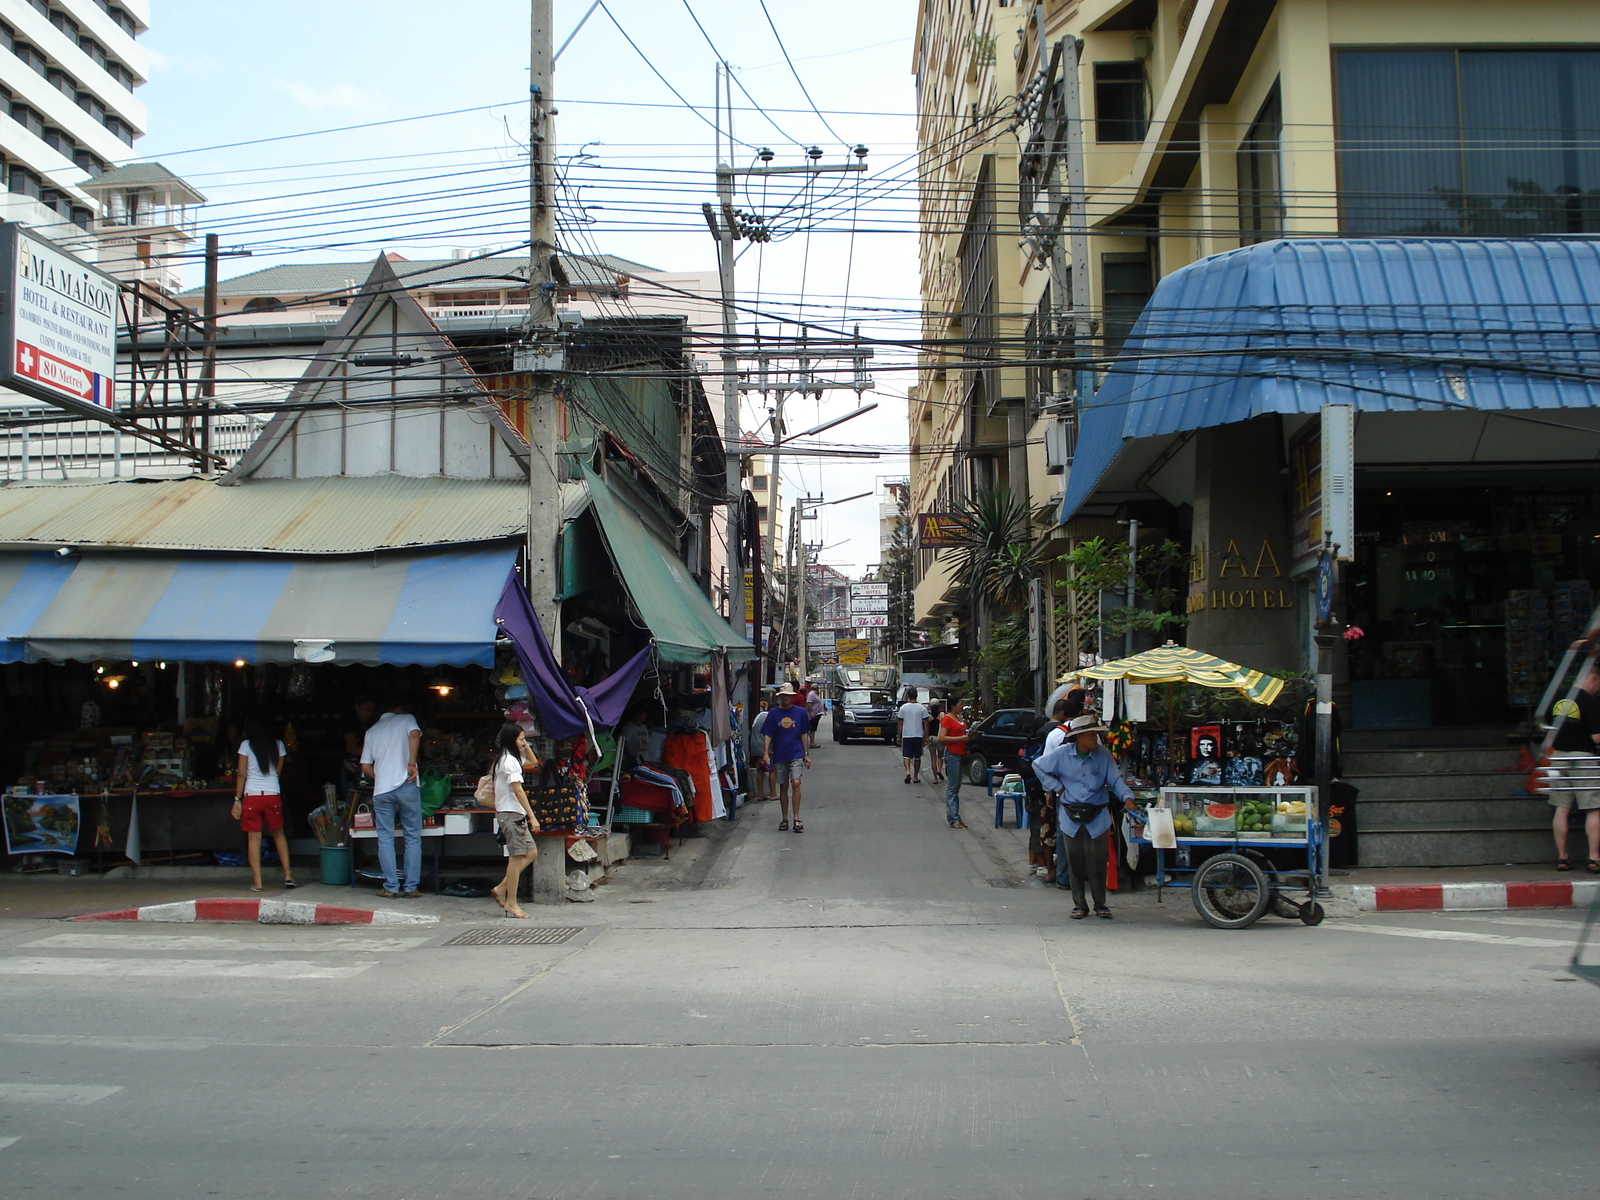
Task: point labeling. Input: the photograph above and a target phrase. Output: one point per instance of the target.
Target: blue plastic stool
(1000, 809)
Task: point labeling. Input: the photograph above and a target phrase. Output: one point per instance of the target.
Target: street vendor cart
(1239, 850)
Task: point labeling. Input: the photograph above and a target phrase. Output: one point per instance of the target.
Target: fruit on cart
(1220, 812)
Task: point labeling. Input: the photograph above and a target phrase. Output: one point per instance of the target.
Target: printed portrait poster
(41, 824)
(1205, 748)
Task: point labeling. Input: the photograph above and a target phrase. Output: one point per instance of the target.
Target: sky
(253, 102)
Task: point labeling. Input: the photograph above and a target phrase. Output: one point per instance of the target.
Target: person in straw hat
(1084, 776)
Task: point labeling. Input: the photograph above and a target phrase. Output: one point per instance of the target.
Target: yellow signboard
(749, 596)
(854, 650)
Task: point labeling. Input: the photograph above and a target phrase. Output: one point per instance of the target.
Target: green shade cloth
(1179, 664)
(683, 624)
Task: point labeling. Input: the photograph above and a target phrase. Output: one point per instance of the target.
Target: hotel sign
(59, 323)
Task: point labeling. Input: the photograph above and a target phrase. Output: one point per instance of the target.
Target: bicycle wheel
(1230, 891)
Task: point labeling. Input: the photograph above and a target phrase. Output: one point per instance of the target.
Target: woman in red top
(953, 737)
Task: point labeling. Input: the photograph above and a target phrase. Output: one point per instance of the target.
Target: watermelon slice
(1220, 812)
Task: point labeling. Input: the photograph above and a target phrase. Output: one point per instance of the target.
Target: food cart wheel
(1311, 913)
(1230, 891)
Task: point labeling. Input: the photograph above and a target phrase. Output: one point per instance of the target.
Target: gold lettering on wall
(1267, 556)
(1231, 558)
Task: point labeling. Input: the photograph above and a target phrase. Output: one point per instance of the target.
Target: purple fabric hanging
(561, 706)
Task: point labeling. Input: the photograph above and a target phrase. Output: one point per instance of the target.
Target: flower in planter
(1354, 634)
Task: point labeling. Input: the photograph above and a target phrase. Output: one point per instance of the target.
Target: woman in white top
(513, 815)
(258, 799)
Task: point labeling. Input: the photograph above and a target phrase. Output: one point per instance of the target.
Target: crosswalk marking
(1449, 935)
(1499, 919)
(55, 1093)
(94, 1041)
(199, 941)
(193, 968)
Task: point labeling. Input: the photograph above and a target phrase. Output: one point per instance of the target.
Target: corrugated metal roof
(141, 175)
(293, 280)
(1383, 325)
(342, 515)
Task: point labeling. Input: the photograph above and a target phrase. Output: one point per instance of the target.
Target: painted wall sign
(60, 325)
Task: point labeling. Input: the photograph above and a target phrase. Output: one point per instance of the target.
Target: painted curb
(1476, 897)
(264, 912)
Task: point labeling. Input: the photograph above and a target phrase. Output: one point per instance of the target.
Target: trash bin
(335, 865)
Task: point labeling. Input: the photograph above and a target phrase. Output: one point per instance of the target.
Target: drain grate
(675, 885)
(495, 935)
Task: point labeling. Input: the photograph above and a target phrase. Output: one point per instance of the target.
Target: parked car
(996, 740)
(865, 713)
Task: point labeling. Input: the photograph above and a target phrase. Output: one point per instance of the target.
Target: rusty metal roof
(340, 515)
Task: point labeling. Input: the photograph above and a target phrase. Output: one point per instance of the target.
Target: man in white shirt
(913, 717)
(389, 759)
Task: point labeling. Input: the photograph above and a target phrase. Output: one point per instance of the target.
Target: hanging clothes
(687, 752)
(719, 807)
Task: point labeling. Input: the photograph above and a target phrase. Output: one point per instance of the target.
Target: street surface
(853, 1011)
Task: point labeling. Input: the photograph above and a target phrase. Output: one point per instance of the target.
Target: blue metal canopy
(1394, 325)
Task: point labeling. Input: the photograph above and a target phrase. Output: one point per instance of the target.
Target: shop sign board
(935, 529)
(821, 639)
(854, 650)
(59, 325)
(749, 596)
(868, 604)
(871, 620)
(832, 623)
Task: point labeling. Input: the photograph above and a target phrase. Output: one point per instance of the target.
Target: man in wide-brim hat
(1085, 777)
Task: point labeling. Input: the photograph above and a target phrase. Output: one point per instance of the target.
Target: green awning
(681, 620)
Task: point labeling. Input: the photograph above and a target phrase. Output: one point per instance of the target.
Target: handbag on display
(557, 801)
(361, 817)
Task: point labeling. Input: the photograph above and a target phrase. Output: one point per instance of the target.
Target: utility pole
(726, 227)
(1133, 582)
(208, 361)
(540, 355)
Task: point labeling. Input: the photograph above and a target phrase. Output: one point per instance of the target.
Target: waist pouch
(1083, 813)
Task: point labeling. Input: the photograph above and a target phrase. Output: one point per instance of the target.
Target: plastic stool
(1000, 809)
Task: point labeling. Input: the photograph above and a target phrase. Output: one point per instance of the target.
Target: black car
(996, 740)
(865, 713)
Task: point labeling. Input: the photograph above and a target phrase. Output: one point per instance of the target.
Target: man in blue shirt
(783, 741)
(1083, 776)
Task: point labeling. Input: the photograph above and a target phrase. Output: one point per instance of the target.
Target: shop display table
(436, 832)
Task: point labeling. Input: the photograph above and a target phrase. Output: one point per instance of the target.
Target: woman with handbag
(1085, 777)
(514, 821)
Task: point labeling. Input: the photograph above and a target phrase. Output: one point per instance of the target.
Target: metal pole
(772, 507)
(1325, 638)
(800, 615)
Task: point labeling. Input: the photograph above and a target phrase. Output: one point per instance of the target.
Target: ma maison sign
(59, 323)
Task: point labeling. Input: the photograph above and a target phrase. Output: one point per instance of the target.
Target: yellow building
(1076, 152)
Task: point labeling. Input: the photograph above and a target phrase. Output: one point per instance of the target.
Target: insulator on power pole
(860, 151)
(814, 153)
(765, 154)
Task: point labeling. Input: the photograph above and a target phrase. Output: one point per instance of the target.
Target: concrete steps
(1443, 797)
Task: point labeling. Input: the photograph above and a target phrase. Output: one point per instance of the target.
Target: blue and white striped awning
(432, 608)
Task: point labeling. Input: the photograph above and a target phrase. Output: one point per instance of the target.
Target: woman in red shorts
(258, 801)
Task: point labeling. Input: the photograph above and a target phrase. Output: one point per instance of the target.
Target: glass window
(1125, 287)
(758, 483)
(1119, 102)
(1477, 142)
(1261, 174)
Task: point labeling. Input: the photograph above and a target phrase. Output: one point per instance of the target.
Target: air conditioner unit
(1060, 442)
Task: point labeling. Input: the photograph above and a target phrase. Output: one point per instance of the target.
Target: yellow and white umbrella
(1180, 664)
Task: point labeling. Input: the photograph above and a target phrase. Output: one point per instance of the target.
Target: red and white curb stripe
(1425, 897)
(266, 912)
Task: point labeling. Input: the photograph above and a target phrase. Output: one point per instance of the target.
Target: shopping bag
(1160, 829)
(557, 802)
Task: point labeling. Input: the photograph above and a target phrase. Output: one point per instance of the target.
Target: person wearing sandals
(930, 742)
(783, 743)
(258, 798)
(1085, 777)
(1577, 738)
(953, 741)
(513, 816)
(913, 721)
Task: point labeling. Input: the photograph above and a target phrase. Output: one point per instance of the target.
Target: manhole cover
(495, 935)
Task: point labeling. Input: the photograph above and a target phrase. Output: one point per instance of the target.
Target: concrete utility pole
(208, 363)
(540, 355)
(1133, 582)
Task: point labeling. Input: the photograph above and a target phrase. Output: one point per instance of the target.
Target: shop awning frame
(1382, 325)
(683, 626)
(425, 608)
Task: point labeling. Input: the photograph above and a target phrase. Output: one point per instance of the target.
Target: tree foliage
(998, 560)
(1102, 566)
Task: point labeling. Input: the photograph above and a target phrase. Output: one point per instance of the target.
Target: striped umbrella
(1180, 664)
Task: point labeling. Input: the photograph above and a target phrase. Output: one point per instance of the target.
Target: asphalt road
(853, 1011)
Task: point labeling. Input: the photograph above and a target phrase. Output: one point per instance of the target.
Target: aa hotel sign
(1239, 581)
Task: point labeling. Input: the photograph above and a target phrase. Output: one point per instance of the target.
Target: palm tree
(996, 562)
